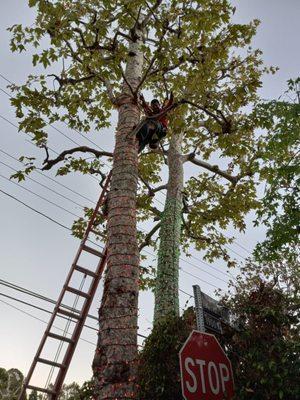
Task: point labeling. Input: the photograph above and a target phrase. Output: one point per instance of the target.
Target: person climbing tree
(154, 129)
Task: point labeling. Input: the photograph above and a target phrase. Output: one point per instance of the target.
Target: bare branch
(128, 83)
(187, 227)
(152, 191)
(213, 168)
(78, 30)
(147, 241)
(202, 238)
(156, 212)
(47, 153)
(122, 34)
(105, 81)
(72, 81)
(98, 172)
(204, 109)
(170, 68)
(152, 61)
(48, 164)
(146, 73)
(151, 12)
(72, 51)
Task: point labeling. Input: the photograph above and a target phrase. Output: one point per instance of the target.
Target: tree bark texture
(115, 360)
(166, 290)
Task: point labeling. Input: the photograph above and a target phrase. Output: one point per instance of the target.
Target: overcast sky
(37, 254)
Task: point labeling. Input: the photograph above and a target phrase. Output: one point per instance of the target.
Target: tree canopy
(280, 170)
(85, 45)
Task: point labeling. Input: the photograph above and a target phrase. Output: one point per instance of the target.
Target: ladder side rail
(79, 326)
(98, 205)
(49, 326)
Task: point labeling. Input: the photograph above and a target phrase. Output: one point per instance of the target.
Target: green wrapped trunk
(166, 290)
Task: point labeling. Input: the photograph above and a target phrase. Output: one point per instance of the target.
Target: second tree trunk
(166, 291)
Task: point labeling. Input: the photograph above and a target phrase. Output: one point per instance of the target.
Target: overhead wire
(69, 229)
(39, 196)
(44, 186)
(146, 251)
(49, 178)
(50, 148)
(44, 215)
(57, 129)
(37, 295)
(39, 319)
(35, 210)
(41, 297)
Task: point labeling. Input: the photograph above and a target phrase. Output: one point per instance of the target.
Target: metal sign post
(209, 313)
(199, 308)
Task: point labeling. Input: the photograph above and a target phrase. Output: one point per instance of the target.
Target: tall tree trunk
(115, 359)
(166, 291)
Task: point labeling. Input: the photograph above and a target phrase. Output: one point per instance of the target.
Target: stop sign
(206, 372)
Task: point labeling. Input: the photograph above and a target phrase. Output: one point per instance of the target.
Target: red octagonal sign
(206, 372)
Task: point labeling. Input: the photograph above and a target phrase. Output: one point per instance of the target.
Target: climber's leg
(143, 136)
(159, 133)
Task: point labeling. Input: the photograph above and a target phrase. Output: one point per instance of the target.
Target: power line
(197, 266)
(39, 319)
(28, 292)
(36, 211)
(49, 178)
(45, 216)
(58, 223)
(235, 252)
(96, 244)
(40, 308)
(41, 197)
(41, 297)
(26, 133)
(44, 186)
(50, 148)
(210, 266)
(199, 279)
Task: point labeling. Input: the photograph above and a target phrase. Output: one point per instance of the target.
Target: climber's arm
(145, 105)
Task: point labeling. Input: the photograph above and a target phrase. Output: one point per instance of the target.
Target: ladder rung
(38, 389)
(49, 362)
(68, 313)
(59, 337)
(92, 251)
(85, 271)
(78, 292)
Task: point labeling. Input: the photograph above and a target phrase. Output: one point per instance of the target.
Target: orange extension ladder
(76, 316)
